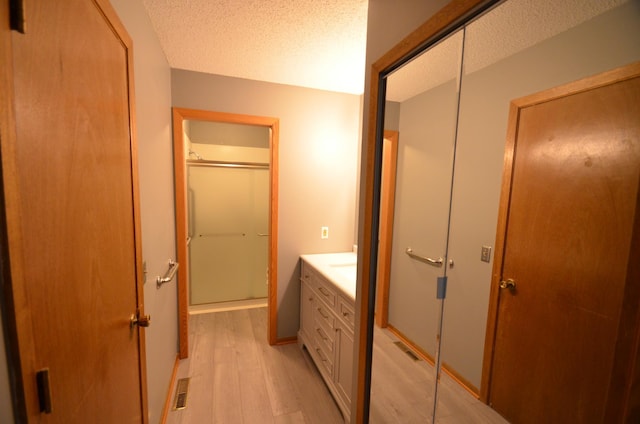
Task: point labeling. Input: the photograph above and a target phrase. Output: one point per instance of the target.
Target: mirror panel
(421, 104)
(517, 49)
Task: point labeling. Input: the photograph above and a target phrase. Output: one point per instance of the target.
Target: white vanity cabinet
(327, 331)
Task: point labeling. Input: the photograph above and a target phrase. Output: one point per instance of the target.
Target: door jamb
(387, 203)
(179, 157)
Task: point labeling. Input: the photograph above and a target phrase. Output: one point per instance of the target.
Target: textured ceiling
(309, 43)
(506, 30)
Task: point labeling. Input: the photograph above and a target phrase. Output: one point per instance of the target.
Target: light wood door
(71, 203)
(569, 214)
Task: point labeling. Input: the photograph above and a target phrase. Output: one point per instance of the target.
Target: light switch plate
(324, 232)
(485, 254)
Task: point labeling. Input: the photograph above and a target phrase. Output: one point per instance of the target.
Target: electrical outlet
(324, 232)
(485, 254)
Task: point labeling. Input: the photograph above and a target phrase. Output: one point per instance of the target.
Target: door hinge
(44, 390)
(16, 16)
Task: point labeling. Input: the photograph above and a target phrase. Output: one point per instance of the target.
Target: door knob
(508, 284)
(140, 320)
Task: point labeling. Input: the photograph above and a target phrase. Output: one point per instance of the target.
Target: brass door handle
(140, 320)
(508, 284)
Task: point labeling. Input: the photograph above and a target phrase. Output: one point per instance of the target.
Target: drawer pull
(345, 314)
(310, 298)
(323, 314)
(320, 354)
(321, 335)
(324, 291)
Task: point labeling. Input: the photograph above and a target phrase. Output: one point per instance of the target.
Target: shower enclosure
(228, 206)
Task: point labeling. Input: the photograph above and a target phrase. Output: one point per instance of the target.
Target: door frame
(627, 353)
(14, 297)
(179, 164)
(385, 237)
(452, 16)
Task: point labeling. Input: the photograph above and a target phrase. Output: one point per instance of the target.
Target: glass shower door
(228, 226)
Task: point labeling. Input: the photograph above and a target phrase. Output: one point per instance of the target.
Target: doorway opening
(226, 213)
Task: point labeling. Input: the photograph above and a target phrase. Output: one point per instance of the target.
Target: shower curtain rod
(223, 164)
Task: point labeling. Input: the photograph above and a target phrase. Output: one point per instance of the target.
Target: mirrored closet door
(517, 341)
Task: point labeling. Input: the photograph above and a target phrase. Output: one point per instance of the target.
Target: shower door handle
(433, 262)
(263, 235)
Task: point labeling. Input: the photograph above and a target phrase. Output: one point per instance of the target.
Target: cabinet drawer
(324, 318)
(325, 360)
(308, 275)
(326, 292)
(346, 311)
(324, 339)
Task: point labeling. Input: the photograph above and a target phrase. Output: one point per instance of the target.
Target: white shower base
(228, 306)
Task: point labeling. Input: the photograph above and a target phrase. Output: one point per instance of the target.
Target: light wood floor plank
(293, 418)
(227, 400)
(256, 407)
(245, 344)
(282, 396)
(315, 399)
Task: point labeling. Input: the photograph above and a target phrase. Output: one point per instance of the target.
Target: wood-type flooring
(236, 378)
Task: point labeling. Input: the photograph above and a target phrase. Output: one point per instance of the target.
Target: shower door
(228, 230)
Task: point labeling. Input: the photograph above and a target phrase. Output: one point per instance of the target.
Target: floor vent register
(180, 399)
(406, 350)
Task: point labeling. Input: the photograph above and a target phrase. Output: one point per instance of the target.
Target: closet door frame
(449, 19)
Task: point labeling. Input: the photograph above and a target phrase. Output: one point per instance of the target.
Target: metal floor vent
(180, 399)
(406, 350)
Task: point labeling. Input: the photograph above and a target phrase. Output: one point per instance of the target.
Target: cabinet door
(344, 362)
(306, 312)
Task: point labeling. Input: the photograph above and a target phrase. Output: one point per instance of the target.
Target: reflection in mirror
(227, 169)
(421, 105)
(518, 49)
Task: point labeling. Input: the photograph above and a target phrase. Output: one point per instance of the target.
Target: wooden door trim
(120, 30)
(626, 351)
(179, 115)
(387, 202)
(17, 318)
(16, 315)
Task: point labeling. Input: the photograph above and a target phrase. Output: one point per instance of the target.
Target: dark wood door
(71, 204)
(569, 211)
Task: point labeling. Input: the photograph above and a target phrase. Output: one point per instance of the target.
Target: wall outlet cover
(485, 254)
(324, 232)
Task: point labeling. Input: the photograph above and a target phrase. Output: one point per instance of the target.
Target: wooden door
(568, 238)
(71, 206)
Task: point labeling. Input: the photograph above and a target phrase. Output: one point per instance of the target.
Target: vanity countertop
(340, 268)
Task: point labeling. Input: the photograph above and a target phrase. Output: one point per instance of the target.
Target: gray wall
(318, 153)
(155, 162)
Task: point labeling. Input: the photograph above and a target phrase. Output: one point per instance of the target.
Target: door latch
(508, 284)
(140, 320)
